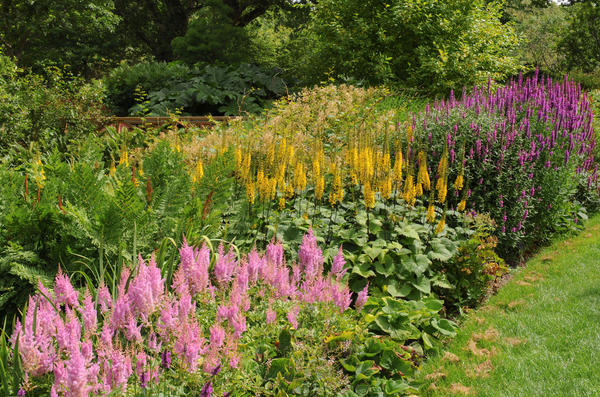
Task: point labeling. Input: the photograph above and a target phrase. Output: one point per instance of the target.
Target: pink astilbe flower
(342, 297)
(362, 297)
(274, 254)
(76, 377)
(35, 348)
(337, 267)
(116, 370)
(292, 316)
(256, 264)
(225, 266)
(133, 330)
(189, 344)
(146, 289)
(104, 299)
(238, 322)
(217, 335)
(310, 255)
(88, 314)
(271, 316)
(64, 291)
(195, 265)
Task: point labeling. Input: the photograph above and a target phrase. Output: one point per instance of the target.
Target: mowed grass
(539, 336)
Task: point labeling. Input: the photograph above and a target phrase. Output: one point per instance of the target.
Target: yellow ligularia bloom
(423, 175)
(408, 189)
(418, 190)
(238, 159)
(442, 190)
(289, 190)
(462, 205)
(199, 170)
(386, 187)
(458, 184)
(397, 172)
(440, 226)
(320, 187)
(431, 213)
(112, 169)
(281, 204)
(124, 157)
(245, 172)
(409, 133)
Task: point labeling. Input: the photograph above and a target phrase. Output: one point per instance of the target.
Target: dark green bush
(168, 88)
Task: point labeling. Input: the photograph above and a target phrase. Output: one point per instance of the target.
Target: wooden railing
(201, 121)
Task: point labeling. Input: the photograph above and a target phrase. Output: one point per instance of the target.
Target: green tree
(433, 44)
(543, 30)
(153, 24)
(581, 43)
(43, 32)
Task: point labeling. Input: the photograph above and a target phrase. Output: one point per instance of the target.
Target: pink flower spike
(217, 335)
(292, 316)
(64, 291)
(271, 316)
(337, 268)
(362, 297)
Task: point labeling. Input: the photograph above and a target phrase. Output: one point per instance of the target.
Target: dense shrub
(47, 112)
(166, 88)
(436, 45)
(519, 147)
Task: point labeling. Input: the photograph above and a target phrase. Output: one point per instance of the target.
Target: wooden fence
(200, 121)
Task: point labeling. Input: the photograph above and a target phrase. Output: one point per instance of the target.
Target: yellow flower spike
(408, 189)
(246, 166)
(419, 190)
(409, 133)
(369, 196)
(250, 194)
(289, 190)
(316, 169)
(397, 172)
(431, 213)
(462, 205)
(112, 169)
(124, 157)
(440, 226)
(423, 175)
(337, 190)
(320, 187)
(458, 184)
(272, 188)
(386, 187)
(238, 159)
(140, 170)
(281, 204)
(442, 190)
(199, 172)
(271, 154)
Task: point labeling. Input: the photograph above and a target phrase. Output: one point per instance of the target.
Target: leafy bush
(519, 147)
(47, 112)
(430, 44)
(168, 88)
(474, 268)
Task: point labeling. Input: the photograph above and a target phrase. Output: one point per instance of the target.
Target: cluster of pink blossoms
(97, 347)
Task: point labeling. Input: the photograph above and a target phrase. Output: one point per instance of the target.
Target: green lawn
(539, 336)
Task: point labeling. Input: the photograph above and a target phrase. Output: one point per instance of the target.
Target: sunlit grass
(538, 337)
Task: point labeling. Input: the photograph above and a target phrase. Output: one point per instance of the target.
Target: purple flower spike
(207, 390)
